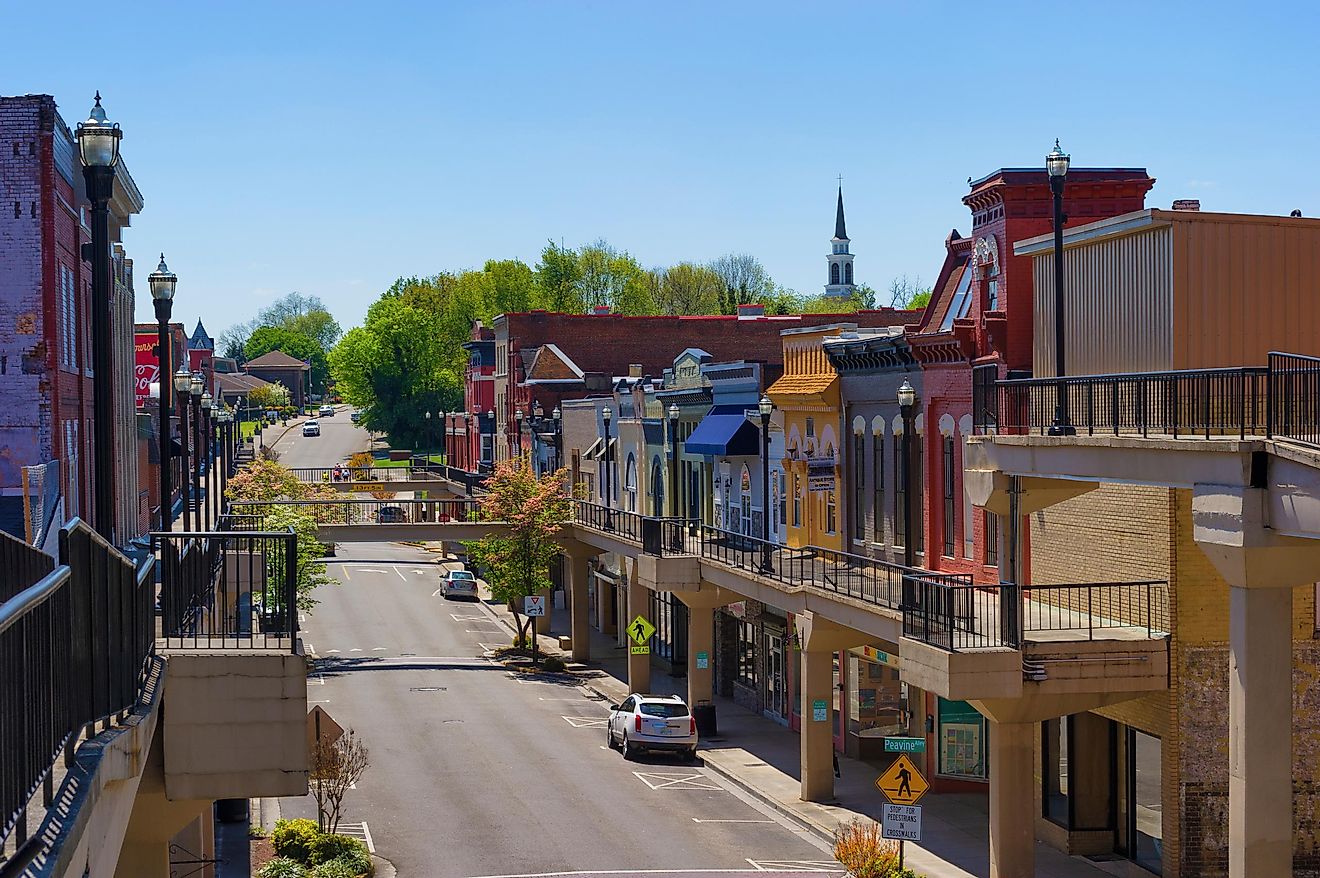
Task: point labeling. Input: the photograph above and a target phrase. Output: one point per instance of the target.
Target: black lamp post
(538, 436)
(606, 416)
(427, 440)
(225, 420)
(1056, 163)
(673, 413)
(907, 405)
(765, 407)
(163, 282)
(205, 467)
(98, 146)
(195, 392)
(558, 417)
(490, 418)
(515, 442)
(183, 386)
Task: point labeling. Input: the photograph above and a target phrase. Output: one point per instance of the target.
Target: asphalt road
(339, 438)
(477, 773)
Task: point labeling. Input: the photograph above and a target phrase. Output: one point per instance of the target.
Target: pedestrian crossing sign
(902, 783)
(640, 630)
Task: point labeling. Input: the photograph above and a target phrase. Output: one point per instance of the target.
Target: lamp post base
(1062, 428)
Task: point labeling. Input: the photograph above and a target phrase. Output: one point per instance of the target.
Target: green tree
(558, 274)
(272, 396)
(743, 281)
(908, 293)
(688, 288)
(274, 338)
(517, 564)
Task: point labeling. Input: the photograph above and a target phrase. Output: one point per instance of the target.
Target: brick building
(275, 366)
(470, 433)
(45, 332)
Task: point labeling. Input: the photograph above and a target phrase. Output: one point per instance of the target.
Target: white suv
(652, 722)
(459, 583)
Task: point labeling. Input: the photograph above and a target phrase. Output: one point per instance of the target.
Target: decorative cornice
(938, 348)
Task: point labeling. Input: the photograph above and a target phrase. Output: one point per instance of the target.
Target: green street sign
(905, 745)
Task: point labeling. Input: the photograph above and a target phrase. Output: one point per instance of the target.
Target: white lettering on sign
(902, 822)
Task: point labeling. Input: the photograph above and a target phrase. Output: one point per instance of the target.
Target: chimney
(750, 312)
(600, 310)
(1191, 205)
(634, 370)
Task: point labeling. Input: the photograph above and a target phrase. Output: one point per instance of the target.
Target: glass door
(776, 694)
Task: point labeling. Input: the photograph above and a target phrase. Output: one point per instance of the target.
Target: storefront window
(859, 486)
(746, 674)
(1145, 773)
(876, 706)
(991, 538)
(1054, 735)
(878, 486)
(962, 740)
(831, 513)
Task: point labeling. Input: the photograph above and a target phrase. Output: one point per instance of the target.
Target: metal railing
(230, 590)
(961, 617)
(74, 641)
(1294, 408)
(669, 536)
(366, 510)
(370, 474)
(616, 522)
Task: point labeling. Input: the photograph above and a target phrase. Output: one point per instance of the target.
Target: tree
(233, 341)
(517, 564)
(558, 274)
(904, 293)
(335, 767)
(687, 288)
(744, 281)
(301, 347)
(272, 396)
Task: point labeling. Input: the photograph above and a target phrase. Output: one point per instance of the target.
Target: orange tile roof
(802, 385)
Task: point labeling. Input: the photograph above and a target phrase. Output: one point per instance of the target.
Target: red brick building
(470, 434)
(45, 328)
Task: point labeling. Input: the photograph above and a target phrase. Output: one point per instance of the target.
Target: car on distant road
(327, 411)
(356, 417)
(652, 722)
(311, 428)
(459, 584)
(391, 515)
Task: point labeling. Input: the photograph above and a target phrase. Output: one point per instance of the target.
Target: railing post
(1269, 396)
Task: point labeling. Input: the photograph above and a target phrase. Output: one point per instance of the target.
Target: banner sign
(146, 367)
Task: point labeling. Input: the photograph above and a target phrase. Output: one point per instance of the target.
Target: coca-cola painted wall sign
(146, 366)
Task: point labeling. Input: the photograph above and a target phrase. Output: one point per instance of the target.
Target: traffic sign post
(640, 630)
(902, 783)
(534, 606)
(901, 822)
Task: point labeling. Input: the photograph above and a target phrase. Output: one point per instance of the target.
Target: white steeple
(840, 281)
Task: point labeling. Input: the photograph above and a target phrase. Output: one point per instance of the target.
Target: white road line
(699, 820)
(657, 780)
(344, 567)
(401, 576)
(585, 722)
(329, 651)
(371, 846)
(378, 649)
(437, 591)
(356, 649)
(322, 701)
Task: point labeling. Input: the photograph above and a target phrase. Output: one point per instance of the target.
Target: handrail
(33, 596)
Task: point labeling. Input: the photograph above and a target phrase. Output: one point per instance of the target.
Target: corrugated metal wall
(1243, 287)
(1119, 305)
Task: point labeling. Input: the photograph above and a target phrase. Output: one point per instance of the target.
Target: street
(339, 438)
(477, 773)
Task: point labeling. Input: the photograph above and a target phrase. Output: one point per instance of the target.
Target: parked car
(459, 584)
(327, 411)
(652, 722)
(391, 515)
(356, 417)
(311, 428)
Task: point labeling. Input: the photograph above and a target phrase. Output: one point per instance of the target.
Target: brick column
(578, 608)
(1012, 800)
(639, 666)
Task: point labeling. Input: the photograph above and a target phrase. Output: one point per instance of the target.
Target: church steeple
(840, 281)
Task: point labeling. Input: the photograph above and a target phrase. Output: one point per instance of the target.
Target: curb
(782, 809)
(384, 868)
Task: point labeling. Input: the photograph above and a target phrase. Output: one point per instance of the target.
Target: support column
(817, 729)
(1260, 732)
(639, 666)
(543, 622)
(1012, 800)
(701, 642)
(578, 607)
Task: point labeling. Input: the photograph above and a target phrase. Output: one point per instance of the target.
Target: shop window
(859, 486)
(878, 487)
(1145, 813)
(950, 503)
(962, 740)
(797, 500)
(919, 492)
(1055, 735)
(900, 494)
(991, 539)
(630, 485)
(831, 513)
(746, 673)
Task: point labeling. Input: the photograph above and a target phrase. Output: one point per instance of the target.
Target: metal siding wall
(1119, 308)
(1245, 288)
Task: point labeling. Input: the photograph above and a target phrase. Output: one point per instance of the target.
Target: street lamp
(98, 146)
(205, 467)
(183, 386)
(766, 407)
(195, 392)
(907, 404)
(1056, 164)
(606, 416)
(673, 413)
(517, 435)
(557, 416)
(163, 282)
(428, 436)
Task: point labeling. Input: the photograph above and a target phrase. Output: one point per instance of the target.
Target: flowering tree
(517, 564)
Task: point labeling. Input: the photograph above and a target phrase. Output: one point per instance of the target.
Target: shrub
(329, 847)
(554, 664)
(295, 838)
(335, 869)
(283, 867)
(358, 862)
(861, 850)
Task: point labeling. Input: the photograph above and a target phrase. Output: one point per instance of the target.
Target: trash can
(704, 713)
(231, 810)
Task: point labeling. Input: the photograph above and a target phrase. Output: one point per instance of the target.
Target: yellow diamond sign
(640, 630)
(902, 783)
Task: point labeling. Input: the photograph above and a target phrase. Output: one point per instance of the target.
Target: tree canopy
(275, 338)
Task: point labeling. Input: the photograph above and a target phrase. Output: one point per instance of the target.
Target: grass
(247, 429)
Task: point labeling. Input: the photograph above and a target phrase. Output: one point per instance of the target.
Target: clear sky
(332, 147)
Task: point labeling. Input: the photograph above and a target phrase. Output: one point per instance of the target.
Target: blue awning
(725, 431)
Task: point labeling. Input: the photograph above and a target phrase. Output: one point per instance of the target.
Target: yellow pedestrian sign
(902, 784)
(640, 630)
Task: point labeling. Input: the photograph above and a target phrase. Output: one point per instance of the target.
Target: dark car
(391, 515)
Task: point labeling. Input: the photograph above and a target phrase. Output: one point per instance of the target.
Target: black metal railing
(1194, 403)
(367, 510)
(616, 522)
(1294, 407)
(231, 590)
(370, 474)
(957, 617)
(669, 536)
(74, 641)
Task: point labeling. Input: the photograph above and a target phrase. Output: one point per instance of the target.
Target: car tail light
(693, 729)
(637, 722)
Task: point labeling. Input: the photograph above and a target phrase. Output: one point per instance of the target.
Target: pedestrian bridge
(435, 480)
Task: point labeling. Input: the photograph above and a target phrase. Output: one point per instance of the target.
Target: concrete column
(639, 666)
(817, 734)
(1260, 732)
(578, 607)
(1012, 800)
(701, 640)
(543, 622)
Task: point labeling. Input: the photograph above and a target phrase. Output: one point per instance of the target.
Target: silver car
(459, 584)
(652, 722)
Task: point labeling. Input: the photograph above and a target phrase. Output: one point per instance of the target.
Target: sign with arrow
(534, 605)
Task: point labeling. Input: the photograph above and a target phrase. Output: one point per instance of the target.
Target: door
(776, 700)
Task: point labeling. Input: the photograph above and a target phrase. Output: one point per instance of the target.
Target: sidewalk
(762, 757)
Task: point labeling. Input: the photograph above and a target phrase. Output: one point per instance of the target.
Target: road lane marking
(659, 780)
(370, 570)
(378, 649)
(356, 649)
(584, 722)
(832, 866)
(330, 651)
(396, 570)
(457, 618)
(699, 820)
(344, 568)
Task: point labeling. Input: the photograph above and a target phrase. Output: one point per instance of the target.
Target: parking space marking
(833, 866)
(585, 722)
(699, 820)
(457, 618)
(661, 780)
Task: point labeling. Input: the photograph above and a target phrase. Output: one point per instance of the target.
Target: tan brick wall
(1103, 536)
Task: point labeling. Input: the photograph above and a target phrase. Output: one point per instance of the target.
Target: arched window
(834, 272)
(657, 488)
(847, 273)
(630, 483)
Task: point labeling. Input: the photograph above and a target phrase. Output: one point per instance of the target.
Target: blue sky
(331, 147)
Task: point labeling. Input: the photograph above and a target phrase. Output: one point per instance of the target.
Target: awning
(725, 431)
(593, 451)
(597, 450)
